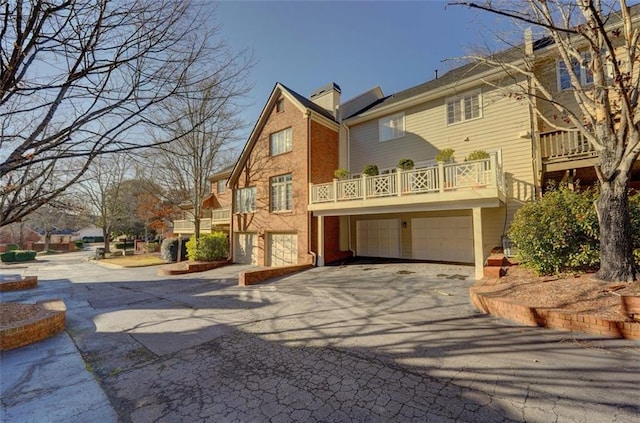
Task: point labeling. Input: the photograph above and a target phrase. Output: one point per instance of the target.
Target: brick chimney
(328, 97)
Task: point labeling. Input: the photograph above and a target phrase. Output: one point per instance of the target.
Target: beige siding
(492, 227)
(503, 126)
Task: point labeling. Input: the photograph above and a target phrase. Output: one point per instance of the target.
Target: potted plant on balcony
(445, 155)
(405, 164)
(481, 176)
(477, 155)
(370, 170)
(341, 174)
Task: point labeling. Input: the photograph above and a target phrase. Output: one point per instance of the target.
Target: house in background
(293, 144)
(216, 209)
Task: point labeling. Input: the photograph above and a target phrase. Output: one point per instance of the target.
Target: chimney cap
(326, 88)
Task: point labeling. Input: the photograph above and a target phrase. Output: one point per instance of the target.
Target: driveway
(370, 343)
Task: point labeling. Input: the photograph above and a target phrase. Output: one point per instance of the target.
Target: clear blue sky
(357, 45)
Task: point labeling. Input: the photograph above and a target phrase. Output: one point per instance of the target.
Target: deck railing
(218, 217)
(440, 178)
(557, 145)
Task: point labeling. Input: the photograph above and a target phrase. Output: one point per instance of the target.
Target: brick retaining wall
(554, 319)
(28, 282)
(253, 277)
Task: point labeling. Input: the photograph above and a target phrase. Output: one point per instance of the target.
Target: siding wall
(426, 132)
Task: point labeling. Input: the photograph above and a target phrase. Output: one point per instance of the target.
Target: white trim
(460, 100)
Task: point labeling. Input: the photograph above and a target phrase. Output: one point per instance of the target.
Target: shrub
(8, 257)
(406, 164)
(25, 255)
(445, 155)
(560, 232)
(370, 170)
(477, 155)
(152, 247)
(341, 173)
(12, 247)
(213, 246)
(79, 244)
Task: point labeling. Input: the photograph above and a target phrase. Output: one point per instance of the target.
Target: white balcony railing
(559, 145)
(435, 179)
(218, 217)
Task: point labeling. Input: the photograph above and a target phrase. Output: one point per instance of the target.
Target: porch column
(478, 250)
(320, 253)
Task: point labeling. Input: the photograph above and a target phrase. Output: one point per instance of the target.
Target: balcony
(469, 184)
(218, 217)
(564, 145)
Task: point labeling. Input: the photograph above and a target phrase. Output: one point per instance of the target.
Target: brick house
(294, 144)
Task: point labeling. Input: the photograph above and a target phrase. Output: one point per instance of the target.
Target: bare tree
(53, 216)
(100, 191)
(603, 38)
(81, 78)
(206, 125)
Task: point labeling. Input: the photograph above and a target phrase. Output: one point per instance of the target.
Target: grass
(135, 261)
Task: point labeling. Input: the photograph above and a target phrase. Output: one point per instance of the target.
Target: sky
(358, 45)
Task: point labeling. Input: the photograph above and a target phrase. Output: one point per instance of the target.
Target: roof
(461, 73)
(303, 103)
(224, 173)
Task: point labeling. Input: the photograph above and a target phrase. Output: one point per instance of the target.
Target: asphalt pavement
(359, 343)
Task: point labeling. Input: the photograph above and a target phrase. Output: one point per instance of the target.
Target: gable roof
(305, 105)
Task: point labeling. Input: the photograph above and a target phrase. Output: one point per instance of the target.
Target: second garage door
(283, 249)
(442, 239)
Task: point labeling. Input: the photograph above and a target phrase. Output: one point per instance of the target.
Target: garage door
(442, 239)
(378, 238)
(246, 248)
(283, 249)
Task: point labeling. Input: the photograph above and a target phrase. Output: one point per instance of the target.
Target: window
(246, 200)
(281, 142)
(464, 107)
(221, 186)
(280, 105)
(281, 193)
(391, 127)
(584, 75)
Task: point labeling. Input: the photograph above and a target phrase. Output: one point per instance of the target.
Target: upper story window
(246, 200)
(280, 142)
(220, 186)
(464, 107)
(582, 72)
(280, 105)
(391, 127)
(281, 193)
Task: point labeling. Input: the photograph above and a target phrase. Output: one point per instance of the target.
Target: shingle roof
(309, 104)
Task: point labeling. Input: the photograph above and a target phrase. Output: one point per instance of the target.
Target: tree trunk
(47, 241)
(105, 235)
(616, 251)
(196, 228)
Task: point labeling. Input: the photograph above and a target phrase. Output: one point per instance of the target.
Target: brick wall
(554, 319)
(253, 277)
(28, 282)
(50, 322)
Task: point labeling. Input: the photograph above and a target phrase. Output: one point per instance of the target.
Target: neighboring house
(216, 209)
(88, 232)
(293, 144)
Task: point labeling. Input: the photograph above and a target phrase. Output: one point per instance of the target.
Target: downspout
(314, 257)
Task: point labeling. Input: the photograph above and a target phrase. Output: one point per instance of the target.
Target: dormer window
(221, 186)
(280, 105)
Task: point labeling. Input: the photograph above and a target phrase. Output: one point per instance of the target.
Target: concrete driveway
(370, 343)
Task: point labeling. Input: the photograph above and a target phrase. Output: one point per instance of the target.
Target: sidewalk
(49, 382)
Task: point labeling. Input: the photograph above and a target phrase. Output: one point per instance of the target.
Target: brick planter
(28, 282)
(50, 321)
(191, 267)
(630, 306)
(553, 319)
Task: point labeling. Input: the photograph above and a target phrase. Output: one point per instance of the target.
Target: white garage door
(246, 246)
(283, 249)
(442, 239)
(378, 238)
